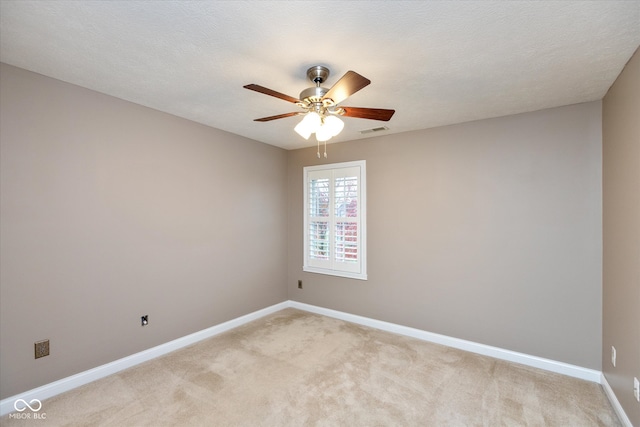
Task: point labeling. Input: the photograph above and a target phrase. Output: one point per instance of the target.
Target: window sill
(345, 274)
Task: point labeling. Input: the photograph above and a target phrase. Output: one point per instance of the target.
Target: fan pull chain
(318, 147)
(325, 149)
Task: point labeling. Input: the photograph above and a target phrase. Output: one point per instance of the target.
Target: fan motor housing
(313, 94)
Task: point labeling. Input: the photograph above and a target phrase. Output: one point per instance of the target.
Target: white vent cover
(378, 129)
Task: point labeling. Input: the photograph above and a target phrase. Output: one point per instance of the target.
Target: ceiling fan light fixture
(321, 106)
(309, 124)
(323, 133)
(334, 125)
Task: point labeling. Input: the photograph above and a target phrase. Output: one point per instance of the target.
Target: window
(334, 219)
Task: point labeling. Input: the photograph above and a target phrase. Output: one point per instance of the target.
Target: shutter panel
(318, 217)
(346, 219)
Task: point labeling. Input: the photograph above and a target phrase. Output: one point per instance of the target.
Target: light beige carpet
(294, 368)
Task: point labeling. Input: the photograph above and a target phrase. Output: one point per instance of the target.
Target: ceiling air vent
(378, 129)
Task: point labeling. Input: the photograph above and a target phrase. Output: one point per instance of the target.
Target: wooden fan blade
(348, 84)
(368, 113)
(268, 91)
(279, 116)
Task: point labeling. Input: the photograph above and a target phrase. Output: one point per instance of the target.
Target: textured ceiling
(436, 63)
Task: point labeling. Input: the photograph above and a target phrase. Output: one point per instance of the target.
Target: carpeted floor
(295, 368)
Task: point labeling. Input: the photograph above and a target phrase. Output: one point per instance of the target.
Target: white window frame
(332, 171)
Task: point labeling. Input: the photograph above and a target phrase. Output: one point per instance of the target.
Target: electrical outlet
(299, 284)
(636, 388)
(613, 356)
(41, 348)
(144, 320)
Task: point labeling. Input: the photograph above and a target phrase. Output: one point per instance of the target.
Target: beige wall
(110, 211)
(488, 231)
(621, 224)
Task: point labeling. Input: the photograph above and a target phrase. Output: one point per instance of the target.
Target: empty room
(319, 213)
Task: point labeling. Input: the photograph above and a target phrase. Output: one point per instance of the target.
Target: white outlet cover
(613, 356)
(636, 389)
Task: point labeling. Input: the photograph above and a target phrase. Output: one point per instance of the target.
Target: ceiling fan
(320, 106)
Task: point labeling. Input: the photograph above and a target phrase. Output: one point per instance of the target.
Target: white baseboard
(614, 402)
(82, 378)
(499, 353)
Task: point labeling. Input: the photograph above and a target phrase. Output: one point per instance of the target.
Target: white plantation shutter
(334, 219)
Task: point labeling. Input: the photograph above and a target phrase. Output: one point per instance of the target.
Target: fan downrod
(314, 95)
